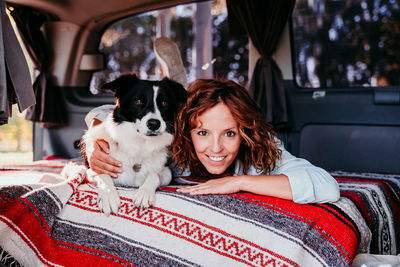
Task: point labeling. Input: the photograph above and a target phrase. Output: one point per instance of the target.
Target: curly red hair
(258, 147)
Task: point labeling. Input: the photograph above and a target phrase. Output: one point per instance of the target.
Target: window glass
(128, 44)
(346, 43)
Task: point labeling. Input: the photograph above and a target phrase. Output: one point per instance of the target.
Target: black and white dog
(139, 131)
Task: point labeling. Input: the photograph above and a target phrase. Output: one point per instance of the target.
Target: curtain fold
(264, 22)
(15, 81)
(268, 89)
(50, 108)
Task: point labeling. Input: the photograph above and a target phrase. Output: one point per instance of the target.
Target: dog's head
(150, 105)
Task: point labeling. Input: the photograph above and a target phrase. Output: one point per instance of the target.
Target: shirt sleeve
(99, 113)
(309, 183)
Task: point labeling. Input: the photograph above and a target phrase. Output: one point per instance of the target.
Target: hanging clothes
(15, 80)
(50, 109)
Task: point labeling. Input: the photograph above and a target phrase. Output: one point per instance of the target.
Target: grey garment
(15, 80)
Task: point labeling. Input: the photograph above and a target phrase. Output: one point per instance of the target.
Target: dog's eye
(138, 102)
(164, 103)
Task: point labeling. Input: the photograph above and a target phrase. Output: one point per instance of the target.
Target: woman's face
(216, 138)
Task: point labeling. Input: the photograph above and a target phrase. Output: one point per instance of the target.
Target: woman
(220, 136)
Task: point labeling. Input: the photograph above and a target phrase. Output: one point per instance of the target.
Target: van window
(128, 44)
(346, 43)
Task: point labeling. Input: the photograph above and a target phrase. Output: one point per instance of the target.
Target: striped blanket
(377, 197)
(57, 223)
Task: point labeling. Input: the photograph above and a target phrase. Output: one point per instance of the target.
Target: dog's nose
(153, 124)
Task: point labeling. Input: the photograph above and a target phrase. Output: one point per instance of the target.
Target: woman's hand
(225, 185)
(267, 185)
(101, 162)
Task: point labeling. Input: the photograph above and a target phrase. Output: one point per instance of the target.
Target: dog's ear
(178, 90)
(121, 84)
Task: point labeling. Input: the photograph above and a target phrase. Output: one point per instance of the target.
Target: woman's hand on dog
(101, 162)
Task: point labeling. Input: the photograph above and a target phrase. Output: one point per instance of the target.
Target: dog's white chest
(137, 164)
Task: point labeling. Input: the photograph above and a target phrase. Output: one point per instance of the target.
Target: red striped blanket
(59, 224)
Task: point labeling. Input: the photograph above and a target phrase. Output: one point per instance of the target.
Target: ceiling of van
(84, 12)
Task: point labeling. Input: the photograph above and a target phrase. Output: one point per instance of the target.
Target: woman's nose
(217, 145)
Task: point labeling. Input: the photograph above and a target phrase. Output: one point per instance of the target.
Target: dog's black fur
(129, 88)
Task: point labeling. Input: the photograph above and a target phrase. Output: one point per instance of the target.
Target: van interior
(326, 74)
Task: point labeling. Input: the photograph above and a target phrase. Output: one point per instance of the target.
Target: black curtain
(15, 81)
(264, 22)
(50, 106)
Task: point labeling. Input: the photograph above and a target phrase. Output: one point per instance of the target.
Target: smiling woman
(221, 137)
(258, 147)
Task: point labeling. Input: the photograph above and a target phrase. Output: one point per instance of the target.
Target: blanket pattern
(59, 224)
(377, 196)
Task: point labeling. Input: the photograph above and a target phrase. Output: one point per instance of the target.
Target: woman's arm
(293, 178)
(309, 183)
(99, 160)
(99, 114)
(269, 185)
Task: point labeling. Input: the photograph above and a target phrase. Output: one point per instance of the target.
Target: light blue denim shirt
(309, 184)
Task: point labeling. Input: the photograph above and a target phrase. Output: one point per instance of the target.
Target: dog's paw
(73, 170)
(144, 198)
(108, 201)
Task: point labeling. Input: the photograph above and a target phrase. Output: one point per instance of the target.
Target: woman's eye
(230, 134)
(202, 133)
(138, 102)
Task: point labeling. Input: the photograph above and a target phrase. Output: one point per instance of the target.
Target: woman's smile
(217, 159)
